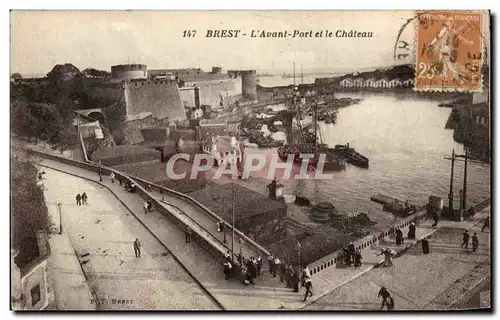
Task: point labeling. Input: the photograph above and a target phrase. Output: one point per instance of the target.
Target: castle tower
(248, 82)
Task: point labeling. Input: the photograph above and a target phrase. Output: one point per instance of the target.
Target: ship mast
(301, 74)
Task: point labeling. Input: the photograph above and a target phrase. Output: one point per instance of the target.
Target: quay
(202, 256)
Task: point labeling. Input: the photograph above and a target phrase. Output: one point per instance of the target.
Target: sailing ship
(308, 142)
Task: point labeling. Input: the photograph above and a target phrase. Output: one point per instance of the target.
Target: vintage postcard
(250, 160)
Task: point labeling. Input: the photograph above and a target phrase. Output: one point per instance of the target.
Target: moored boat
(351, 155)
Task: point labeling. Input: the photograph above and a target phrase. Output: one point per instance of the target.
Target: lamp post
(223, 226)
(298, 253)
(100, 174)
(232, 238)
(60, 217)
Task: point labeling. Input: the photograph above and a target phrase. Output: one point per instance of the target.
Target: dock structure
(396, 205)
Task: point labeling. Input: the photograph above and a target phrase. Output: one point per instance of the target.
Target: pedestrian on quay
(352, 252)
(259, 264)
(304, 275)
(84, 198)
(384, 294)
(227, 269)
(465, 239)
(425, 245)
(436, 220)
(150, 206)
(249, 273)
(357, 258)
(308, 285)
(277, 266)
(475, 242)
(282, 272)
(411, 231)
(295, 280)
(270, 260)
(387, 257)
(112, 177)
(188, 235)
(486, 224)
(346, 256)
(288, 276)
(137, 248)
(119, 180)
(399, 237)
(145, 206)
(227, 256)
(79, 199)
(390, 303)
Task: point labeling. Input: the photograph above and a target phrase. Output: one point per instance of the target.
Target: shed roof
(248, 203)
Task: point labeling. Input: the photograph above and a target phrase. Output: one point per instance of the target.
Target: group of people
(465, 241)
(351, 255)
(81, 199)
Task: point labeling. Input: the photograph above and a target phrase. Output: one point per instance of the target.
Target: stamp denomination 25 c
(449, 51)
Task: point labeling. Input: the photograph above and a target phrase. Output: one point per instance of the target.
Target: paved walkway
(268, 293)
(417, 281)
(102, 233)
(71, 290)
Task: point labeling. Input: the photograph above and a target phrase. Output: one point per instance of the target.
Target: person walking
(352, 251)
(137, 248)
(270, 260)
(188, 235)
(390, 303)
(227, 269)
(146, 206)
(259, 265)
(112, 177)
(436, 220)
(411, 231)
(387, 257)
(357, 258)
(227, 256)
(308, 285)
(425, 245)
(78, 199)
(277, 265)
(384, 294)
(475, 242)
(465, 239)
(399, 236)
(295, 280)
(486, 224)
(84, 198)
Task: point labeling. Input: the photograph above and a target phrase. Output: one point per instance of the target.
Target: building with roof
(346, 83)
(224, 149)
(383, 83)
(124, 154)
(30, 288)
(257, 216)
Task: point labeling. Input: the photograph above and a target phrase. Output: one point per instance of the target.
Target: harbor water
(403, 135)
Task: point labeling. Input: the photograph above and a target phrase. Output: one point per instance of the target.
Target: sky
(99, 39)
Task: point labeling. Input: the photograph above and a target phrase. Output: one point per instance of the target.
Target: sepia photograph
(250, 160)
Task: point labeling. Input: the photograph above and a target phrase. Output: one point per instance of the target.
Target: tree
(29, 212)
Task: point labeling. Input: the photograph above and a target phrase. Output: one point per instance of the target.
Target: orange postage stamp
(449, 53)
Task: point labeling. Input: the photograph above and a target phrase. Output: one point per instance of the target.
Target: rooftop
(248, 203)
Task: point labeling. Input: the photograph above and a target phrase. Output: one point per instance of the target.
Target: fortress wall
(211, 91)
(161, 98)
(187, 97)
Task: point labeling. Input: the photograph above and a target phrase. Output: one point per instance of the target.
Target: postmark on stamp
(449, 51)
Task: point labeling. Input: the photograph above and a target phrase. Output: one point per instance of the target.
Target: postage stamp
(449, 51)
